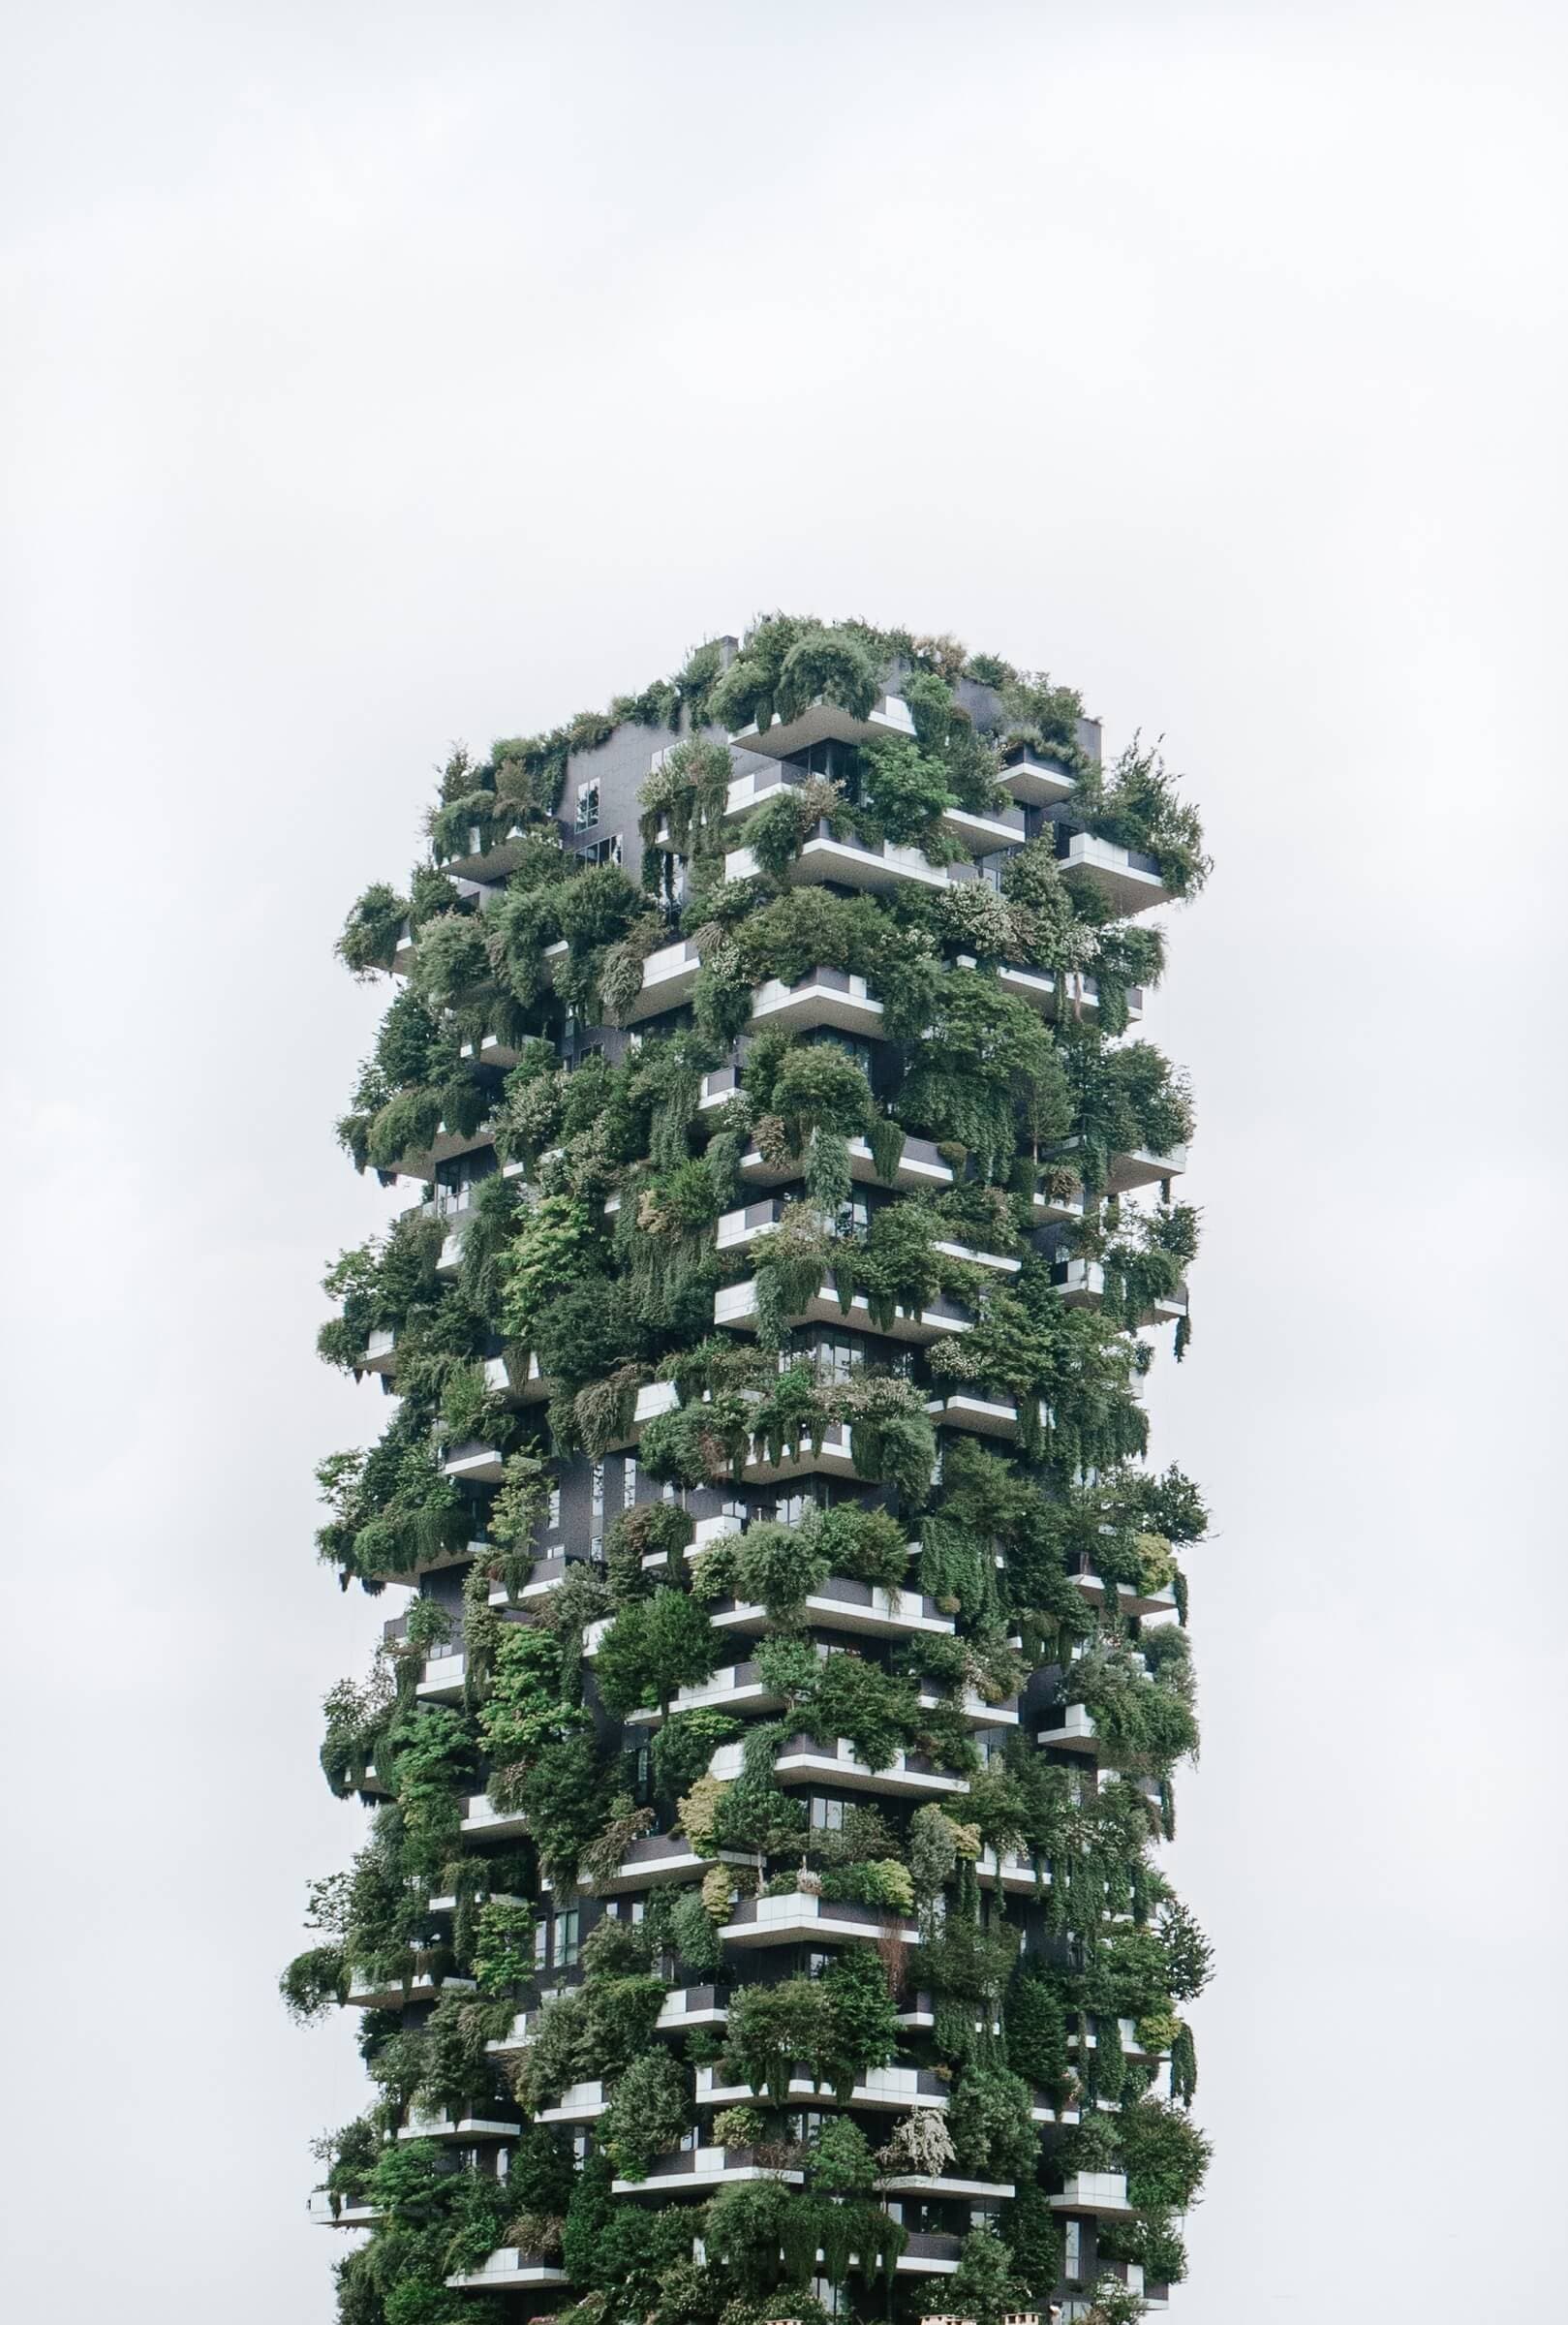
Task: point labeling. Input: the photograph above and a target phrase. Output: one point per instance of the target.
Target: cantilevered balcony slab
(699, 2169)
(876, 867)
(735, 1304)
(1074, 996)
(888, 718)
(476, 2124)
(1067, 1727)
(1034, 779)
(757, 787)
(368, 1992)
(1129, 1600)
(898, 2088)
(423, 1162)
(441, 1679)
(689, 2006)
(973, 1706)
(831, 1458)
(331, 2211)
(480, 1464)
(380, 1354)
(1103, 2194)
(652, 1860)
(919, 1167)
(1140, 1166)
(1014, 1874)
(517, 1379)
(985, 1416)
(759, 1921)
(578, 2103)
(823, 996)
(1128, 878)
(734, 1688)
(945, 2184)
(802, 1760)
(670, 977)
(482, 1820)
(929, 2254)
(510, 2270)
(863, 1608)
(1082, 1284)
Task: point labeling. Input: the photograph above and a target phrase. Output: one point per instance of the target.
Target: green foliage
(654, 1646)
(605, 1296)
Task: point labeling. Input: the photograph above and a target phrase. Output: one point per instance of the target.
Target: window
(597, 1496)
(587, 806)
(628, 1481)
(567, 1945)
(1072, 2250)
(541, 1941)
(827, 1815)
(552, 1519)
(601, 852)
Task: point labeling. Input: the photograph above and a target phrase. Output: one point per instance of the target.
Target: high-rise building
(762, 1911)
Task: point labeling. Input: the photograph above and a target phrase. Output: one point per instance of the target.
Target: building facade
(760, 1912)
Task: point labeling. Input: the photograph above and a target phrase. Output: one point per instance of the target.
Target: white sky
(381, 375)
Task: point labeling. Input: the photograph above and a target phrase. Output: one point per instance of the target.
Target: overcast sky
(379, 376)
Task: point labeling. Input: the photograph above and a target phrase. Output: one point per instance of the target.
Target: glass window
(1072, 2244)
(568, 1947)
(596, 1501)
(628, 1481)
(587, 806)
(552, 1522)
(827, 1815)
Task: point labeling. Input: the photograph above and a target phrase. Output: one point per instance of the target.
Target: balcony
(1074, 996)
(330, 2210)
(545, 1575)
(578, 2103)
(1034, 779)
(508, 2269)
(940, 2184)
(735, 1688)
(654, 1858)
(982, 835)
(482, 1820)
(823, 996)
(973, 1707)
(696, 2169)
(691, 2006)
(435, 2123)
(669, 979)
(896, 2089)
(757, 1921)
(1129, 877)
(519, 1382)
(832, 1458)
(825, 722)
(875, 867)
(919, 1165)
(928, 2254)
(1082, 1284)
(1128, 2033)
(442, 1681)
(984, 1416)
(422, 1163)
(1128, 1600)
(490, 1050)
(379, 1354)
(1100, 2193)
(1013, 1875)
(1141, 1166)
(803, 1760)
(1067, 1727)
(478, 1463)
(841, 1605)
(368, 1990)
(735, 1304)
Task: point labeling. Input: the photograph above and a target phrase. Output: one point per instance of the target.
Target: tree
(654, 1646)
